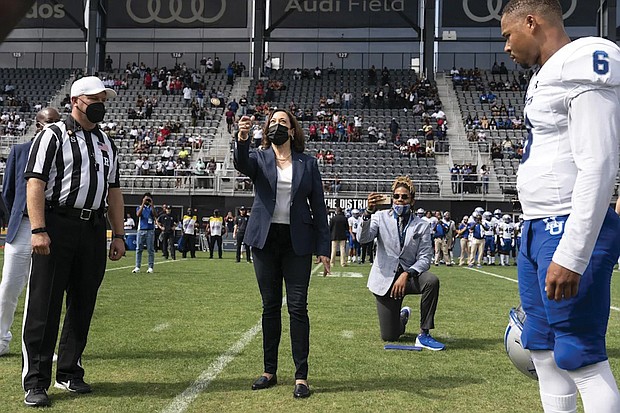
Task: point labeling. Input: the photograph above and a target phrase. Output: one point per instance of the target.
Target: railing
(242, 186)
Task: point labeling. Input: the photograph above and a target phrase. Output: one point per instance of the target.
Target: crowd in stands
(469, 179)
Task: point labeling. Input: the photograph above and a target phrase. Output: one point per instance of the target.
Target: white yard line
(515, 281)
(160, 327)
(156, 263)
(183, 400)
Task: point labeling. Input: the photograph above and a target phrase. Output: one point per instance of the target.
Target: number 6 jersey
(570, 157)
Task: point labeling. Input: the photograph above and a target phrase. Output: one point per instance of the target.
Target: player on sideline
(565, 181)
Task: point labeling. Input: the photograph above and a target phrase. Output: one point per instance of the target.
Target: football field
(187, 339)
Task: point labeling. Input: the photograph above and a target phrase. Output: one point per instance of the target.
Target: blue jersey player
(570, 235)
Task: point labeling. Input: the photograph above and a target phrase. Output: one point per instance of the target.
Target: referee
(73, 180)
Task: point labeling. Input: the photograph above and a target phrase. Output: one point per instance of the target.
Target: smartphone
(385, 203)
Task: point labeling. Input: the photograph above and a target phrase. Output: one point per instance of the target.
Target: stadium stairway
(461, 151)
(220, 149)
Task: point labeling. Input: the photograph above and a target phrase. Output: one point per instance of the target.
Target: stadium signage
(470, 13)
(179, 14)
(304, 14)
(53, 14)
(345, 203)
(328, 6)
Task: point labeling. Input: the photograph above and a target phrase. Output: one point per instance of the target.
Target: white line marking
(160, 327)
(347, 334)
(515, 281)
(344, 274)
(156, 263)
(494, 275)
(183, 400)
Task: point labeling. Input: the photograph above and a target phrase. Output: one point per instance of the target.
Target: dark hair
(298, 141)
(547, 8)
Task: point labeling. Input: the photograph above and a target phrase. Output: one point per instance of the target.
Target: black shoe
(76, 385)
(301, 391)
(37, 398)
(264, 383)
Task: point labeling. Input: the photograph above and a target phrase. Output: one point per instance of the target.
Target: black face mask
(277, 134)
(95, 112)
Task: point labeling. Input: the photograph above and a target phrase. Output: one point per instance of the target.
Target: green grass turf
(153, 335)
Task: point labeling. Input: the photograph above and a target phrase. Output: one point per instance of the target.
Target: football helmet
(506, 218)
(487, 215)
(520, 217)
(497, 213)
(479, 210)
(420, 212)
(519, 356)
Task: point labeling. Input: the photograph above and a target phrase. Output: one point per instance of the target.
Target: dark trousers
(76, 265)
(247, 249)
(274, 263)
(167, 244)
(368, 249)
(190, 245)
(388, 308)
(215, 239)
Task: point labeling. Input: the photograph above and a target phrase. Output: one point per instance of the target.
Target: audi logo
(158, 13)
(495, 6)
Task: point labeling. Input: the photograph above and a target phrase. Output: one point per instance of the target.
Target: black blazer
(309, 230)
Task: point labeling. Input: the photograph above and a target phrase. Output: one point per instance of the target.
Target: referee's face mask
(95, 112)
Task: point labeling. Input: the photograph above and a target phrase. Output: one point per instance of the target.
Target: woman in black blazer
(287, 226)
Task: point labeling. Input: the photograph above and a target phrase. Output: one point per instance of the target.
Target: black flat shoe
(301, 391)
(264, 383)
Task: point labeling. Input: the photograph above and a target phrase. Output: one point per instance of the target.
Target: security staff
(241, 223)
(167, 223)
(17, 249)
(73, 179)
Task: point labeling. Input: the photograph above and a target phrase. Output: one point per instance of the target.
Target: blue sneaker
(405, 313)
(428, 342)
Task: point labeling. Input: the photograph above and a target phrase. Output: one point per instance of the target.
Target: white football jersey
(506, 230)
(489, 228)
(355, 224)
(570, 158)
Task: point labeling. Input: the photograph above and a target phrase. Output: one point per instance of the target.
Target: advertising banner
(344, 13)
(487, 13)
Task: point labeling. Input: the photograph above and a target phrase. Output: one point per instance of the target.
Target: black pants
(247, 249)
(167, 244)
(367, 248)
(76, 265)
(388, 309)
(274, 263)
(189, 245)
(215, 239)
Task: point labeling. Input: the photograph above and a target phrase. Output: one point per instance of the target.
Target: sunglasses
(404, 197)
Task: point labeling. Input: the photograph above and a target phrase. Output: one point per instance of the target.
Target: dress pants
(215, 239)
(167, 245)
(14, 277)
(476, 250)
(247, 249)
(343, 251)
(464, 251)
(388, 308)
(190, 245)
(76, 265)
(274, 263)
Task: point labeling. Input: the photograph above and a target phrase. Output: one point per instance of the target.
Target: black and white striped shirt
(77, 165)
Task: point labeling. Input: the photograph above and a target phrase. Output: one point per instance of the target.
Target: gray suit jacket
(415, 254)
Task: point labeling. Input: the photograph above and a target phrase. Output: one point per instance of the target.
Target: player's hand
(561, 283)
(501, 243)
(41, 243)
(245, 123)
(326, 264)
(398, 289)
(117, 249)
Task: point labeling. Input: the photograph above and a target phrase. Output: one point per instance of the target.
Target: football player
(506, 232)
(565, 182)
(489, 238)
